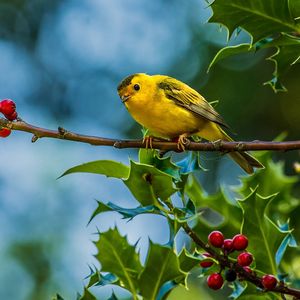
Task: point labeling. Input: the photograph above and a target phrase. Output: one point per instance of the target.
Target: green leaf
(118, 257)
(272, 180)
(57, 297)
(165, 290)
(108, 168)
(288, 241)
(251, 292)
(229, 51)
(188, 261)
(147, 183)
(238, 290)
(230, 214)
(286, 56)
(295, 10)
(186, 213)
(125, 212)
(112, 297)
(96, 278)
(164, 164)
(264, 236)
(261, 18)
(190, 163)
(87, 295)
(162, 265)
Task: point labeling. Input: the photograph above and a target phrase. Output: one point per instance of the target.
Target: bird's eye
(136, 87)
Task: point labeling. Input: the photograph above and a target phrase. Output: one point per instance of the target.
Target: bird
(172, 110)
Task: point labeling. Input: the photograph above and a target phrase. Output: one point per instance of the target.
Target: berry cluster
(238, 243)
(8, 109)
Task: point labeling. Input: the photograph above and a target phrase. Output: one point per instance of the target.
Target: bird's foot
(148, 141)
(182, 142)
(217, 144)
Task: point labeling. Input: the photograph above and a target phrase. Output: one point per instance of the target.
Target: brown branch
(39, 132)
(281, 288)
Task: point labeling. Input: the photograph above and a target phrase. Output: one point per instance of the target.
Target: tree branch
(61, 133)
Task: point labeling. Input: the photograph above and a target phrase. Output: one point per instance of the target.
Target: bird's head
(132, 85)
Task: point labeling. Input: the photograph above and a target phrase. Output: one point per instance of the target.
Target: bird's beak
(124, 98)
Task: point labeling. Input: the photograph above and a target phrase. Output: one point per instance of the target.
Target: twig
(61, 133)
(224, 262)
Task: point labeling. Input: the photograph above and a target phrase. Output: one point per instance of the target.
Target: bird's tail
(246, 161)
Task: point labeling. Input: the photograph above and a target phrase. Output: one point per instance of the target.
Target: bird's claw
(240, 146)
(182, 142)
(217, 144)
(148, 141)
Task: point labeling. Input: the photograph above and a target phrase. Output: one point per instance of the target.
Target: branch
(61, 133)
(225, 262)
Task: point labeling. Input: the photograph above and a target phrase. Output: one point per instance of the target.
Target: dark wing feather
(185, 96)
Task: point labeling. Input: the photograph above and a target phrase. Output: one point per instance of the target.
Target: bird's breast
(163, 117)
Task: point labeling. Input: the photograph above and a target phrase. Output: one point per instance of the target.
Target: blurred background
(61, 61)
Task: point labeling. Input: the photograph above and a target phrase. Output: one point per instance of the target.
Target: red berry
(216, 239)
(215, 281)
(7, 107)
(5, 132)
(227, 245)
(12, 116)
(239, 242)
(245, 259)
(247, 269)
(269, 282)
(208, 263)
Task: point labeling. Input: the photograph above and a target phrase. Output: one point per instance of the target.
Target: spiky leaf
(162, 265)
(261, 18)
(108, 168)
(164, 164)
(125, 212)
(264, 236)
(147, 183)
(118, 257)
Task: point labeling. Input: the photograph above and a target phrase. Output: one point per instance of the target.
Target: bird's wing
(185, 96)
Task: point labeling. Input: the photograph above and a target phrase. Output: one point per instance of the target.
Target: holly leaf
(260, 18)
(269, 181)
(288, 241)
(165, 290)
(57, 297)
(230, 51)
(164, 164)
(215, 210)
(147, 183)
(87, 295)
(265, 236)
(188, 261)
(96, 278)
(127, 213)
(162, 265)
(113, 297)
(108, 168)
(190, 163)
(238, 290)
(251, 292)
(118, 257)
(286, 56)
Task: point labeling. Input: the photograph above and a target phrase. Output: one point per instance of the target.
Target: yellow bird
(170, 109)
